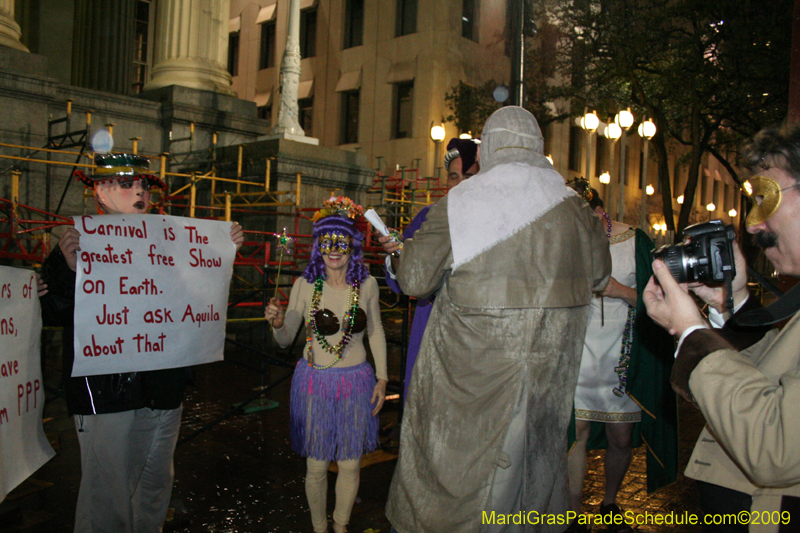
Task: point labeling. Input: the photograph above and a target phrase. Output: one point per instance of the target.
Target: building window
(233, 53)
(601, 156)
(403, 109)
(469, 19)
(141, 48)
(308, 32)
(728, 197)
(625, 166)
(509, 28)
(265, 112)
(353, 23)
(350, 104)
(642, 177)
(575, 136)
(305, 115)
(406, 20)
(267, 58)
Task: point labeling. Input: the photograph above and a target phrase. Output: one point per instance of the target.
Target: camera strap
(781, 309)
(729, 291)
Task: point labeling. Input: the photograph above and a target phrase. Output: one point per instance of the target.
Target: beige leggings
(317, 491)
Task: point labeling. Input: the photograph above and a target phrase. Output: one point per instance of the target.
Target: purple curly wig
(356, 269)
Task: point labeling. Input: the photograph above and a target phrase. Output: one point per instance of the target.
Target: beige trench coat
(510, 320)
(751, 403)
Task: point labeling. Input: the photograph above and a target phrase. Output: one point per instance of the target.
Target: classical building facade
(374, 73)
(373, 80)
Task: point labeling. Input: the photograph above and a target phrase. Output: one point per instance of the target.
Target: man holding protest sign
(127, 422)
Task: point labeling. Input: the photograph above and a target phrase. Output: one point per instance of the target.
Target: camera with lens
(704, 256)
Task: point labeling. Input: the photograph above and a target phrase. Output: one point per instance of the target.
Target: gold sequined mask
(765, 193)
(334, 242)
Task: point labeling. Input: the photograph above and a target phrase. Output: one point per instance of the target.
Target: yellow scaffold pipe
(297, 194)
(193, 196)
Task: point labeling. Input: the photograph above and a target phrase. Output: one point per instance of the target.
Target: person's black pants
(716, 500)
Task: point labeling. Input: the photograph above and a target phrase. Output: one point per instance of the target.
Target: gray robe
(509, 322)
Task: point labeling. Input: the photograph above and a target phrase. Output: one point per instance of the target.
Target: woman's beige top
(336, 300)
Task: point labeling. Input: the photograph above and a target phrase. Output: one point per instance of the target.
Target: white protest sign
(151, 292)
(23, 445)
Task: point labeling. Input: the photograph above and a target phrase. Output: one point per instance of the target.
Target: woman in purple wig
(335, 398)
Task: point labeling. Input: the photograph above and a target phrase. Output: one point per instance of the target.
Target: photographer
(747, 457)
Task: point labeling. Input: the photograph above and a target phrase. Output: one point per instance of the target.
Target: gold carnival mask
(766, 194)
(334, 242)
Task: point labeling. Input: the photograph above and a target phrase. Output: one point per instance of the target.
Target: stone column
(9, 29)
(290, 77)
(191, 45)
(102, 53)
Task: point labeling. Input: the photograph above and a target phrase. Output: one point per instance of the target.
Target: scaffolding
(399, 197)
(25, 230)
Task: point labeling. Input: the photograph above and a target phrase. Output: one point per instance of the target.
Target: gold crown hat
(120, 167)
(582, 187)
(766, 198)
(341, 206)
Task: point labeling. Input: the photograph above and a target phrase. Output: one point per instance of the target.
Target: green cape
(652, 356)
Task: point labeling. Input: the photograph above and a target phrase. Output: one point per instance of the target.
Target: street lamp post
(612, 132)
(589, 122)
(437, 136)
(646, 130)
(624, 120)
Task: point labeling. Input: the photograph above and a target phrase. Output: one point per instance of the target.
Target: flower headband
(582, 187)
(341, 206)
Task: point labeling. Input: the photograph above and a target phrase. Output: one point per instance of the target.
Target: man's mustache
(765, 239)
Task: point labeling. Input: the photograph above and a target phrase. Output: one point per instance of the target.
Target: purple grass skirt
(330, 414)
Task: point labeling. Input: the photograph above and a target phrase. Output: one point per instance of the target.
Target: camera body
(704, 256)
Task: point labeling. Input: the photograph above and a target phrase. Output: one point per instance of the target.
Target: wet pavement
(237, 473)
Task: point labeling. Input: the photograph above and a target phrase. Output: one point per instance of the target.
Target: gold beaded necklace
(348, 321)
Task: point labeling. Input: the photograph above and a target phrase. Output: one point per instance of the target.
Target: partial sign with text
(151, 292)
(23, 445)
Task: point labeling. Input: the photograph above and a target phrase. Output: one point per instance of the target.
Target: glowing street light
(680, 200)
(624, 120)
(589, 123)
(612, 132)
(732, 213)
(605, 178)
(650, 190)
(647, 129)
(437, 136)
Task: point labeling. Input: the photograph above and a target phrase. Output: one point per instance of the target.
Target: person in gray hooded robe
(515, 256)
